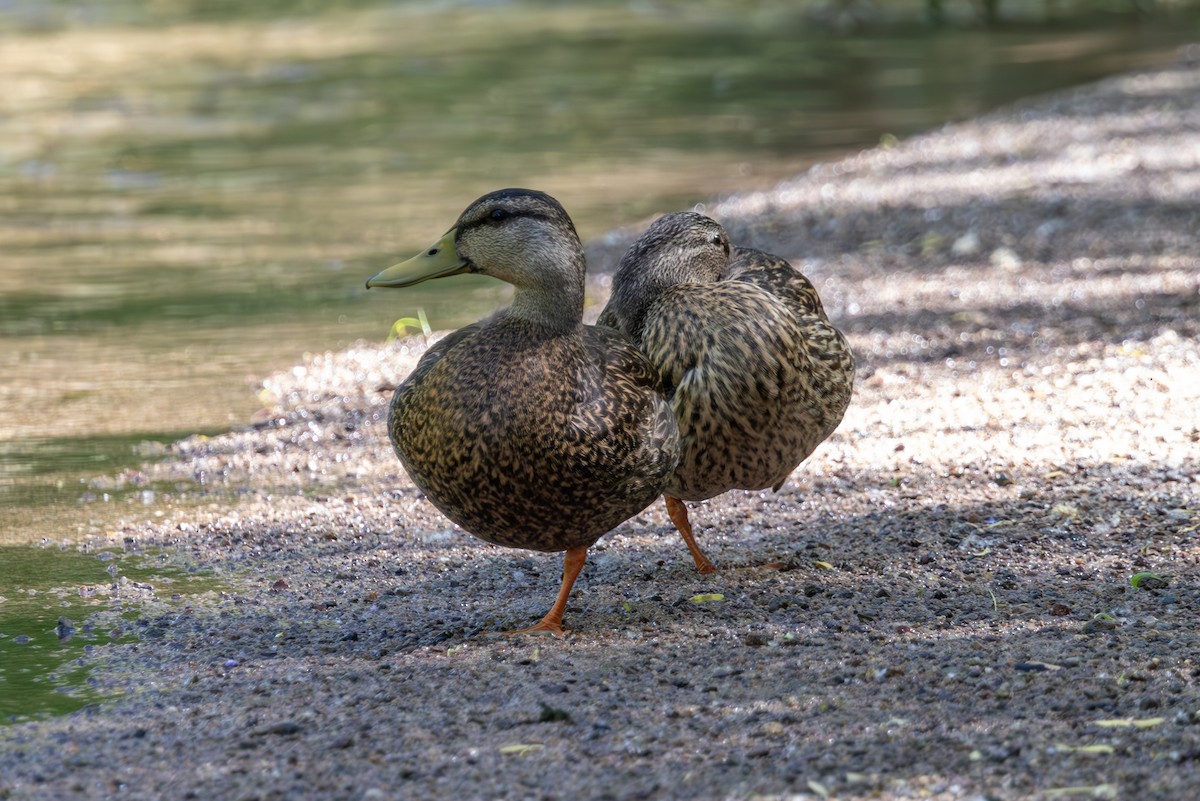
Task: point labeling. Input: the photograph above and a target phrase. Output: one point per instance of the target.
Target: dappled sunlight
(376, 613)
(1028, 164)
(991, 560)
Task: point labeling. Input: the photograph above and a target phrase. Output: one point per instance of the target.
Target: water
(58, 606)
(191, 196)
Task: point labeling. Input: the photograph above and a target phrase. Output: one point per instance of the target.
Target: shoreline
(954, 616)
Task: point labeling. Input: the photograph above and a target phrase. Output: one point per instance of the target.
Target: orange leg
(552, 622)
(677, 510)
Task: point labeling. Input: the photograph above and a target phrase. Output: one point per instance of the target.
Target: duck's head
(680, 248)
(684, 247)
(520, 236)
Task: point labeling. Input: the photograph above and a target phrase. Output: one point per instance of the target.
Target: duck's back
(539, 443)
(758, 374)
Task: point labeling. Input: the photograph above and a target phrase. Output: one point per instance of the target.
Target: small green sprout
(1147, 581)
(418, 323)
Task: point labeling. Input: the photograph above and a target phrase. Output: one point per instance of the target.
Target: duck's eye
(498, 214)
(716, 239)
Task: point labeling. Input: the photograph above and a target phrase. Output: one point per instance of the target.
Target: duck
(757, 375)
(530, 429)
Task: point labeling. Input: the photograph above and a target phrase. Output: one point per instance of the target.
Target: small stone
(1099, 624)
(1006, 259)
(551, 714)
(966, 245)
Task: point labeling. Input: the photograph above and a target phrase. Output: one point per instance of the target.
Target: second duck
(756, 374)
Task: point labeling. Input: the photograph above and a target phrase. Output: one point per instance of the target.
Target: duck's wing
(831, 363)
(776, 276)
(731, 341)
(623, 416)
(752, 390)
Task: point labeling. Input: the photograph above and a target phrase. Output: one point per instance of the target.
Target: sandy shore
(947, 612)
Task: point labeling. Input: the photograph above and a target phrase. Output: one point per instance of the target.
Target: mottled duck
(756, 374)
(530, 429)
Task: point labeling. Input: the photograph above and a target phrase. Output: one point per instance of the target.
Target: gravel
(938, 605)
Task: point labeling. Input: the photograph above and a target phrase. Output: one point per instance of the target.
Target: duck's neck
(554, 306)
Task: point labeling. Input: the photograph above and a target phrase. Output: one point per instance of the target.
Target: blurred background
(192, 192)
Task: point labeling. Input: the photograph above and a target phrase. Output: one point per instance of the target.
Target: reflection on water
(189, 203)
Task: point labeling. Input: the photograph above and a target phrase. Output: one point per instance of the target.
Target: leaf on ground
(1091, 791)
(706, 597)
(1128, 723)
(823, 565)
(1085, 749)
(520, 749)
(1069, 511)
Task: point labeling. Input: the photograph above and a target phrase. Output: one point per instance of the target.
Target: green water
(58, 606)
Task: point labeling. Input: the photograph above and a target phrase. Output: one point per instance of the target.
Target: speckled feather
(531, 437)
(758, 376)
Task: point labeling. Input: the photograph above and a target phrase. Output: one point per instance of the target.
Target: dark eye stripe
(508, 215)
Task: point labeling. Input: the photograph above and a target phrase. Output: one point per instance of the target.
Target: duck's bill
(436, 261)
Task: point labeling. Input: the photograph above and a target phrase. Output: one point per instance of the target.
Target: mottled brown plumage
(530, 429)
(757, 375)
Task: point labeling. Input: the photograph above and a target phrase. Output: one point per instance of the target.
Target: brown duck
(756, 373)
(530, 429)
